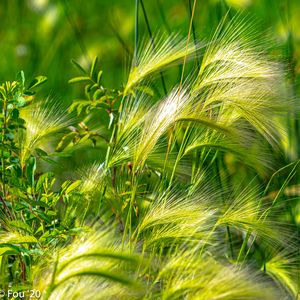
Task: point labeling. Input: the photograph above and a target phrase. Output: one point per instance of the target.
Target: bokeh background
(42, 36)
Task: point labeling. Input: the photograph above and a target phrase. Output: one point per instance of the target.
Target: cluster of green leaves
(14, 96)
(96, 95)
(30, 220)
(97, 98)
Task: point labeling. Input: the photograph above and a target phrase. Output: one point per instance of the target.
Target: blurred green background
(42, 36)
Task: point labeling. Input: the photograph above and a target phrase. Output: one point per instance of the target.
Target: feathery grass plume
(131, 119)
(132, 113)
(283, 267)
(92, 266)
(175, 218)
(167, 51)
(244, 212)
(157, 161)
(92, 178)
(158, 120)
(237, 86)
(42, 119)
(192, 276)
(237, 80)
(92, 181)
(242, 144)
(141, 128)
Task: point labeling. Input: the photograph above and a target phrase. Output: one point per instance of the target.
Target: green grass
(189, 195)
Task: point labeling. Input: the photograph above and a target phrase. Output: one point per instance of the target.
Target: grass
(182, 204)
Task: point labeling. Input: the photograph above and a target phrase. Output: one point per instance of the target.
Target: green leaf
(40, 229)
(73, 186)
(87, 89)
(29, 93)
(40, 152)
(79, 105)
(15, 113)
(78, 66)
(21, 101)
(30, 169)
(21, 77)
(65, 141)
(35, 203)
(8, 251)
(111, 119)
(100, 104)
(16, 238)
(37, 81)
(10, 106)
(99, 76)
(44, 236)
(50, 161)
(9, 136)
(5, 154)
(145, 89)
(97, 94)
(93, 67)
(42, 216)
(20, 225)
(79, 79)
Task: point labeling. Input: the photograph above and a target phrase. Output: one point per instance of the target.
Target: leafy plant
(30, 220)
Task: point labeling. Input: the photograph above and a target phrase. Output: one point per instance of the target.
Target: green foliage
(30, 220)
(182, 200)
(97, 97)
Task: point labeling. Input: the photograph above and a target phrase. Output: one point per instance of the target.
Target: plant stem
(179, 91)
(3, 177)
(194, 33)
(187, 45)
(136, 42)
(153, 43)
